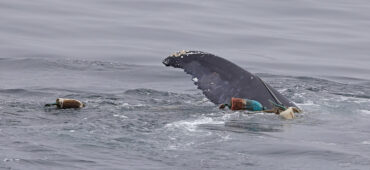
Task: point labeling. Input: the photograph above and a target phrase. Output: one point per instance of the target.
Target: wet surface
(142, 115)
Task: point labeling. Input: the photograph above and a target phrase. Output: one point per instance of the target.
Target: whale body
(220, 79)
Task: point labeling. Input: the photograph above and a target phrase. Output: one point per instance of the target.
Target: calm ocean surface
(142, 115)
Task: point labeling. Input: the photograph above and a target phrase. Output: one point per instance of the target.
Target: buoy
(63, 103)
(243, 104)
(289, 113)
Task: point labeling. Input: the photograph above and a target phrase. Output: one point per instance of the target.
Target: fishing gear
(63, 103)
(253, 105)
(280, 106)
(243, 104)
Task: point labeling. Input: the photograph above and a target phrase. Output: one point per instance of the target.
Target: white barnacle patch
(180, 53)
(252, 77)
(195, 79)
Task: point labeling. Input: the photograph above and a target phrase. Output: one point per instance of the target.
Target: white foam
(300, 95)
(127, 105)
(366, 112)
(205, 101)
(120, 116)
(343, 98)
(360, 101)
(352, 99)
(187, 101)
(195, 79)
(365, 142)
(308, 103)
(10, 159)
(324, 143)
(225, 137)
(282, 90)
(192, 125)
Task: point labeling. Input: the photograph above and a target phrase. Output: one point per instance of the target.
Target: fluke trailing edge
(221, 80)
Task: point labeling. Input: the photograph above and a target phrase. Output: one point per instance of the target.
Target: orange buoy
(243, 104)
(238, 104)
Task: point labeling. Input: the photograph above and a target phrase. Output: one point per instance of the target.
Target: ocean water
(143, 115)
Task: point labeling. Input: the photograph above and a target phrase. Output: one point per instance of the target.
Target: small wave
(11, 159)
(353, 95)
(13, 91)
(308, 103)
(48, 63)
(165, 98)
(350, 80)
(73, 64)
(151, 92)
(69, 90)
(310, 79)
(23, 92)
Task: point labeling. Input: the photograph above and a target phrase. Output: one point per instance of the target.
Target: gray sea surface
(140, 114)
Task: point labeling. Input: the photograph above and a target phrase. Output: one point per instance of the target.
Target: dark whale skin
(220, 79)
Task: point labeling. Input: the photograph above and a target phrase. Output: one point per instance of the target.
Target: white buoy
(289, 113)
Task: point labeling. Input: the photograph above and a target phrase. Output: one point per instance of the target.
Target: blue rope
(277, 105)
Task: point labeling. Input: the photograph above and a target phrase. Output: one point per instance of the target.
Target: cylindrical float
(63, 103)
(245, 104)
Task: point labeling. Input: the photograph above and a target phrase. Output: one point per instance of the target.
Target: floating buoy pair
(253, 105)
(63, 103)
